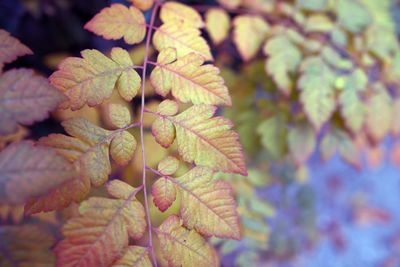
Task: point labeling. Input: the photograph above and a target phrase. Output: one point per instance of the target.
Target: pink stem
(145, 62)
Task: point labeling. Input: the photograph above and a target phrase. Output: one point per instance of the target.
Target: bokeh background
(326, 214)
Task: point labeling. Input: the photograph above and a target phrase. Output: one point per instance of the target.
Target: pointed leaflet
(284, 58)
(30, 171)
(100, 235)
(189, 79)
(317, 90)
(26, 245)
(249, 33)
(206, 205)
(183, 37)
(92, 78)
(88, 149)
(302, 142)
(208, 141)
(218, 24)
(11, 48)
(25, 99)
(134, 256)
(339, 140)
(177, 12)
(183, 247)
(119, 21)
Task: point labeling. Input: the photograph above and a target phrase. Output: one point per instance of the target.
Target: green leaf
(353, 15)
(313, 5)
(317, 90)
(273, 134)
(302, 142)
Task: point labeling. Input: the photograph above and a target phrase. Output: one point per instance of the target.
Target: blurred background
(328, 213)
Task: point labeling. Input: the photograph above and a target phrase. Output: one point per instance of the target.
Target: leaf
(379, 113)
(25, 99)
(30, 171)
(230, 4)
(352, 107)
(184, 38)
(353, 15)
(92, 78)
(134, 256)
(143, 4)
(249, 33)
(208, 206)
(118, 21)
(168, 166)
(119, 115)
(87, 148)
(122, 148)
(163, 131)
(176, 12)
(341, 141)
(164, 193)
(100, 235)
(284, 58)
(11, 48)
(218, 24)
(302, 142)
(319, 23)
(183, 247)
(168, 108)
(26, 245)
(208, 141)
(313, 5)
(188, 79)
(273, 134)
(317, 90)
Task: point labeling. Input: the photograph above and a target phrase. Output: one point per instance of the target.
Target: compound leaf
(92, 78)
(119, 21)
(188, 79)
(183, 247)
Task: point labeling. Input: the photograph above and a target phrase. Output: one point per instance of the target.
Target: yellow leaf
(163, 131)
(208, 141)
(184, 38)
(164, 193)
(168, 108)
(188, 79)
(143, 4)
(218, 24)
(118, 21)
(177, 12)
(122, 148)
(181, 247)
(168, 166)
(208, 206)
(28, 171)
(249, 33)
(134, 256)
(119, 115)
(100, 235)
(91, 79)
(25, 98)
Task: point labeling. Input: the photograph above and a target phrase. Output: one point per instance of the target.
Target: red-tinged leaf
(118, 21)
(92, 78)
(163, 131)
(208, 141)
(134, 256)
(28, 171)
(208, 206)
(11, 48)
(100, 235)
(25, 98)
(183, 247)
(164, 193)
(168, 108)
(143, 4)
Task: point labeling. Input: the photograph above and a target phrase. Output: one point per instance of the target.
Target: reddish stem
(145, 62)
